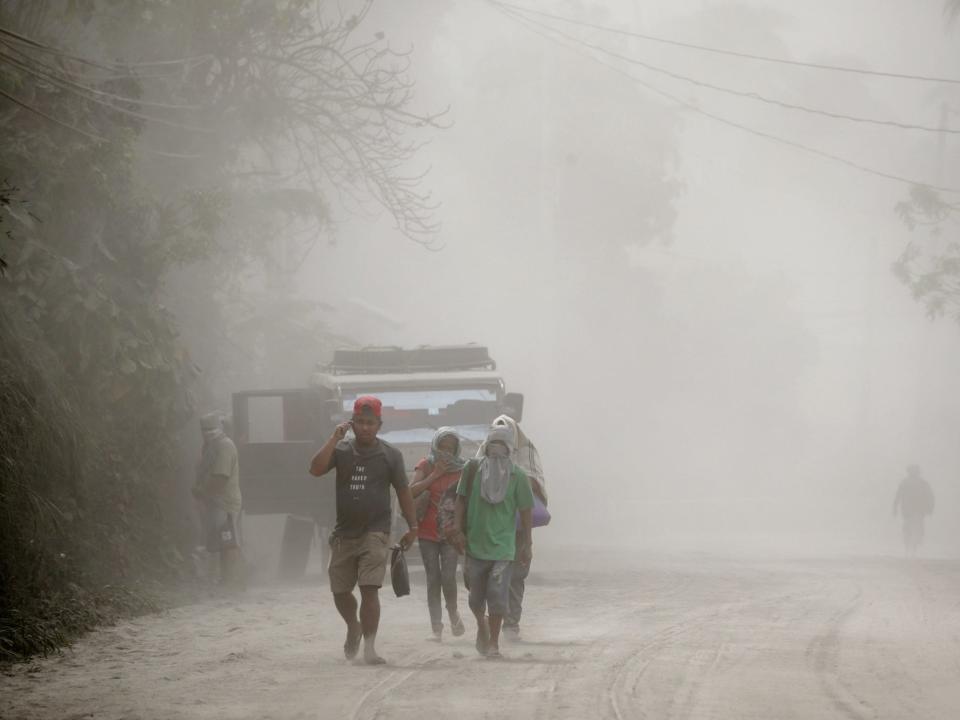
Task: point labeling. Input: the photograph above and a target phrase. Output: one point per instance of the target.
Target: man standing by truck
(217, 489)
(366, 468)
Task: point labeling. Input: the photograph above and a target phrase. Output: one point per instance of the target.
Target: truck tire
(295, 548)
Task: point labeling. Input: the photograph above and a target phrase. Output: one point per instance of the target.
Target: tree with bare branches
(148, 140)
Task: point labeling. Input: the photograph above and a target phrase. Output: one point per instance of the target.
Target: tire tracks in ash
(592, 654)
(823, 654)
(369, 705)
(620, 693)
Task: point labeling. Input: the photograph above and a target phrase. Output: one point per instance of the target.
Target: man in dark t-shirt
(366, 469)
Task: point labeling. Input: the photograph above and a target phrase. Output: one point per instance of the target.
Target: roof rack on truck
(426, 358)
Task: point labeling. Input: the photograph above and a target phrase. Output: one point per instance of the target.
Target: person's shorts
(357, 561)
(221, 529)
(489, 582)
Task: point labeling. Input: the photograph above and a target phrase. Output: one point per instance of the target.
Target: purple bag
(540, 514)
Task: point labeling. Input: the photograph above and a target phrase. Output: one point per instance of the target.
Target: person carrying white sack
(524, 455)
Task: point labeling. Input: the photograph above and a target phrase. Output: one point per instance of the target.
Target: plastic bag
(399, 576)
(539, 515)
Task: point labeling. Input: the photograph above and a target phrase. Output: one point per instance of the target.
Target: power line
(85, 133)
(83, 92)
(724, 51)
(41, 113)
(757, 96)
(533, 27)
(52, 71)
(88, 92)
(47, 48)
(86, 61)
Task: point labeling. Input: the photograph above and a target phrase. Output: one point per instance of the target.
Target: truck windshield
(425, 410)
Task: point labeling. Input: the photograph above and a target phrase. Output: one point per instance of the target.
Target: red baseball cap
(367, 401)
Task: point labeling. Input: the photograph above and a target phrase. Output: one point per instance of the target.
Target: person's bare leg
(448, 582)
(478, 607)
(347, 607)
(483, 633)
(231, 569)
(370, 621)
(494, 623)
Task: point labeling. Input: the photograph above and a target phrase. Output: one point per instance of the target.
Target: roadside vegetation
(156, 156)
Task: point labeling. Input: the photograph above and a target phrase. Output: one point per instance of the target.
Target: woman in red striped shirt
(434, 475)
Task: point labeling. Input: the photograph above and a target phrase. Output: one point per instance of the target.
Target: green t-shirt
(492, 529)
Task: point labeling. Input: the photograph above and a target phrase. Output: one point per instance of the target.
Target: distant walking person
(217, 488)
(914, 500)
(432, 478)
(524, 455)
(490, 493)
(366, 469)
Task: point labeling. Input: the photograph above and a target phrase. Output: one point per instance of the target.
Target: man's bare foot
(493, 653)
(483, 636)
(371, 658)
(352, 644)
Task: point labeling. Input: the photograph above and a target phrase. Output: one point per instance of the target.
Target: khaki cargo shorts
(220, 528)
(357, 561)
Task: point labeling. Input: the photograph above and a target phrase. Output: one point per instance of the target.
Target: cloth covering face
(496, 465)
(211, 422)
(454, 461)
(525, 454)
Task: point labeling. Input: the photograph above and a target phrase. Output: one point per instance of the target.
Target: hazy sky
(704, 322)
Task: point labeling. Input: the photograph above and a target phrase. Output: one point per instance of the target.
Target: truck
(422, 389)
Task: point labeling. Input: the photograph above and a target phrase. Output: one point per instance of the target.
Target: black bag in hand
(399, 577)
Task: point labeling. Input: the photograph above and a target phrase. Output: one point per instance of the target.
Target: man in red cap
(366, 468)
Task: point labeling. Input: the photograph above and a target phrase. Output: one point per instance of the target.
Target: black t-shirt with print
(364, 477)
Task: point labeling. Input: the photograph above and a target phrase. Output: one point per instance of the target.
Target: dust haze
(691, 233)
(714, 350)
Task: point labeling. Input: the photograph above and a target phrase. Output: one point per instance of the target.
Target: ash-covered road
(606, 637)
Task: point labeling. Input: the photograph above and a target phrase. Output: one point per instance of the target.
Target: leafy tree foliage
(951, 8)
(146, 138)
(930, 268)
